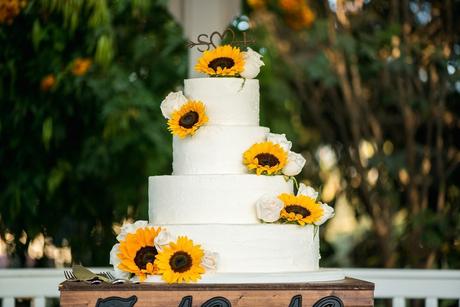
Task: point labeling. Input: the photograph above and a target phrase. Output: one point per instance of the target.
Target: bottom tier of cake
(257, 248)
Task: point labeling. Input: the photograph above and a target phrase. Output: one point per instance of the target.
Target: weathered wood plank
(237, 298)
(347, 283)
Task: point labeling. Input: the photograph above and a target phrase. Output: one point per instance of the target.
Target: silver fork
(69, 276)
(115, 280)
(107, 275)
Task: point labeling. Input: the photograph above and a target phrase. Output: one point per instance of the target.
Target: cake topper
(209, 41)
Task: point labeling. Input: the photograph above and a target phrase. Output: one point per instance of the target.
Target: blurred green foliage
(76, 147)
(375, 85)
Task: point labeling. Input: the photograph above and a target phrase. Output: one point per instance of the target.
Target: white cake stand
(321, 275)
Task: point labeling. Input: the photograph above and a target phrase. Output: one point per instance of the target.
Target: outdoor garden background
(368, 90)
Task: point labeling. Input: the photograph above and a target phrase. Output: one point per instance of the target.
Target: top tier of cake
(229, 101)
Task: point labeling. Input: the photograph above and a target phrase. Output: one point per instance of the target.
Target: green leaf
(37, 34)
(100, 16)
(57, 175)
(315, 231)
(104, 50)
(47, 131)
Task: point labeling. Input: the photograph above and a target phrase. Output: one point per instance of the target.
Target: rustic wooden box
(347, 292)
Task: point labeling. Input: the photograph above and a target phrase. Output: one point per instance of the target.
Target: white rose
(251, 70)
(268, 208)
(171, 103)
(130, 228)
(254, 56)
(163, 238)
(307, 191)
(252, 63)
(280, 139)
(295, 163)
(115, 261)
(328, 212)
(210, 260)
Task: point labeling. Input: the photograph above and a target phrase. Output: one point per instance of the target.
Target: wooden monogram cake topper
(205, 41)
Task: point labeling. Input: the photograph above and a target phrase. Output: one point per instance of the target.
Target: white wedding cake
(232, 190)
(210, 197)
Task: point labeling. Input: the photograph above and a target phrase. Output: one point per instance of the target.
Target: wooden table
(347, 292)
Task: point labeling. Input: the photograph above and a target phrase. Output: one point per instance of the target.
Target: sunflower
(222, 61)
(137, 252)
(301, 209)
(180, 261)
(187, 119)
(265, 158)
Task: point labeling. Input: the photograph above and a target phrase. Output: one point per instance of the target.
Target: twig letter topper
(205, 42)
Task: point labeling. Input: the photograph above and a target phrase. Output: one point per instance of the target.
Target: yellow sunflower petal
(300, 209)
(187, 120)
(142, 276)
(265, 158)
(138, 245)
(180, 261)
(149, 236)
(222, 61)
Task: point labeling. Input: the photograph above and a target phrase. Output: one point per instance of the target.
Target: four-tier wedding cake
(232, 210)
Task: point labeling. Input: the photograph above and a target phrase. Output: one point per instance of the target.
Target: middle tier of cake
(213, 199)
(215, 149)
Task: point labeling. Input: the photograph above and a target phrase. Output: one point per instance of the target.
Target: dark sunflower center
(266, 159)
(222, 63)
(180, 262)
(145, 255)
(189, 119)
(304, 212)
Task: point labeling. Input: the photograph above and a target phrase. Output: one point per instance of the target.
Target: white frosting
(212, 199)
(229, 101)
(215, 150)
(256, 248)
